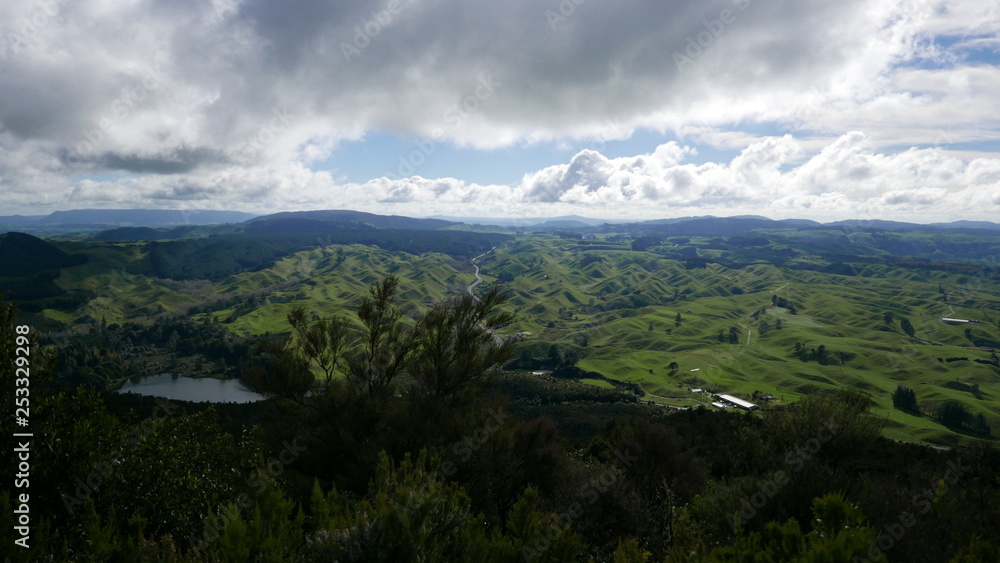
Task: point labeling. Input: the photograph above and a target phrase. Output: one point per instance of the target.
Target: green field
(616, 310)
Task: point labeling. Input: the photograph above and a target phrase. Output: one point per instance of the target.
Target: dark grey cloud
(196, 98)
(181, 160)
(347, 67)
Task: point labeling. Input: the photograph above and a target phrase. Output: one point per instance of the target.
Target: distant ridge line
(180, 217)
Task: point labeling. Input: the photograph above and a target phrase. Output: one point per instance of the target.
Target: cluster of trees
(111, 351)
(820, 354)
(784, 303)
(553, 389)
(954, 414)
(763, 326)
(392, 441)
(537, 355)
(733, 338)
(905, 398)
(640, 244)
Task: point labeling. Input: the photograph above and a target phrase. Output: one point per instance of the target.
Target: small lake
(197, 390)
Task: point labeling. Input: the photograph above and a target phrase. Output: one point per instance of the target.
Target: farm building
(954, 321)
(745, 405)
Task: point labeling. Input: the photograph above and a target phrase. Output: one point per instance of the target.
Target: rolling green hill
(617, 311)
(786, 312)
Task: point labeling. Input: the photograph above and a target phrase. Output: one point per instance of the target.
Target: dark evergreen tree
(386, 342)
(953, 414)
(904, 398)
(323, 341)
(455, 346)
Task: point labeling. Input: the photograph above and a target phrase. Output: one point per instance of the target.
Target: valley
(662, 309)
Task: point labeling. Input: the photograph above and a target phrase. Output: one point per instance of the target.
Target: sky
(855, 109)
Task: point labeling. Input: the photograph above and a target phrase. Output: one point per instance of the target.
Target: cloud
(181, 160)
(847, 177)
(660, 177)
(181, 102)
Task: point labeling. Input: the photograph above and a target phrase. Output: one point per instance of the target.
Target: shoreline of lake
(191, 389)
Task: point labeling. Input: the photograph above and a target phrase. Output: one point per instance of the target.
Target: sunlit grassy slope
(333, 280)
(571, 296)
(618, 309)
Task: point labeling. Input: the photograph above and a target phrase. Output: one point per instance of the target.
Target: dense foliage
(407, 451)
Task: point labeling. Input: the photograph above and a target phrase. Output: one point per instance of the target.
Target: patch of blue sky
(388, 155)
(392, 156)
(951, 50)
(943, 142)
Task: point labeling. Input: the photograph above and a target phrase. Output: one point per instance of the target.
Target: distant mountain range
(359, 219)
(16, 220)
(90, 218)
(565, 221)
(136, 224)
(704, 223)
